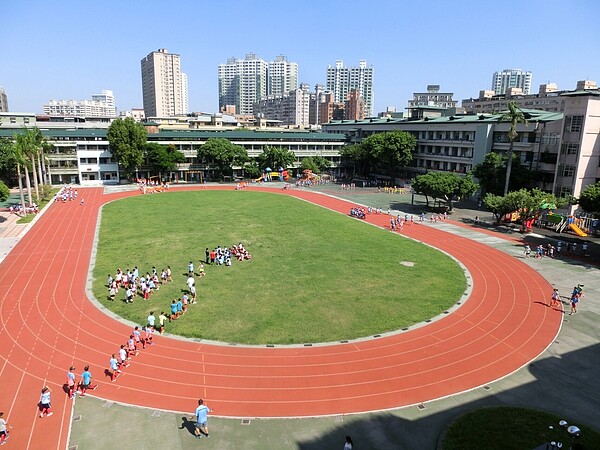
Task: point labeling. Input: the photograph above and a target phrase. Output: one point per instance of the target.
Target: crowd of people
(358, 211)
(128, 350)
(31, 208)
(224, 255)
(136, 285)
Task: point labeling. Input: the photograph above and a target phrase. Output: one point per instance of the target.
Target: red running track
(48, 324)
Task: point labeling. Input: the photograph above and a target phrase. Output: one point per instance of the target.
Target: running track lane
(49, 324)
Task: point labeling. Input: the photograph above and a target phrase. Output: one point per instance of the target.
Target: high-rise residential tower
(162, 85)
(511, 78)
(3, 100)
(283, 76)
(242, 83)
(341, 80)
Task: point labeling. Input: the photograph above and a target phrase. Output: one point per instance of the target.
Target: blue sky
(73, 49)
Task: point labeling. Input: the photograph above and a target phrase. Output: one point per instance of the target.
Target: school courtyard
(561, 380)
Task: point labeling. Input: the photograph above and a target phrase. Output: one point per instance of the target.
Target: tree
(223, 154)
(309, 163)
(445, 186)
(357, 156)
(275, 157)
(127, 139)
(251, 169)
(491, 174)
(163, 158)
(12, 157)
(20, 155)
(525, 202)
(322, 163)
(515, 116)
(589, 199)
(4, 191)
(391, 149)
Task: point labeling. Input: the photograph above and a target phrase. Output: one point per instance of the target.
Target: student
(179, 307)
(193, 294)
(151, 319)
(114, 368)
(201, 269)
(191, 268)
(173, 315)
(555, 299)
(131, 347)
(71, 381)
(137, 336)
(86, 381)
(169, 274)
(3, 432)
(123, 356)
(161, 320)
(45, 405)
(148, 332)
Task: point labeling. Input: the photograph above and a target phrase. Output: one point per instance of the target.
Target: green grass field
(315, 276)
(513, 428)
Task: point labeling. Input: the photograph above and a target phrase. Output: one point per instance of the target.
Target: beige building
(164, 87)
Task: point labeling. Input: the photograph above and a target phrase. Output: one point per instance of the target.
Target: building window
(565, 191)
(569, 148)
(573, 124)
(568, 170)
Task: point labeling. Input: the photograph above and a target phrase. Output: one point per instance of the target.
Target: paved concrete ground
(563, 380)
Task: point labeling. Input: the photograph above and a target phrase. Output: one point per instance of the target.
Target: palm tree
(515, 116)
(34, 140)
(21, 146)
(15, 156)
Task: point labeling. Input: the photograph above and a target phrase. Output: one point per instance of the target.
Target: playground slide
(259, 179)
(577, 230)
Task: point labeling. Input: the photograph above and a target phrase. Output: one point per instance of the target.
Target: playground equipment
(578, 231)
(578, 225)
(269, 175)
(309, 175)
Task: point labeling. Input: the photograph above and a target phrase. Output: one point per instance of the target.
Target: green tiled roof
(86, 133)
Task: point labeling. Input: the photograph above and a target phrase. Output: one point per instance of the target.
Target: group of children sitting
(223, 255)
(134, 285)
(358, 211)
(131, 348)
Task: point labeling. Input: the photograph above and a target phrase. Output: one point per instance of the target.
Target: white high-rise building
(184, 93)
(341, 80)
(162, 85)
(242, 83)
(101, 105)
(3, 100)
(511, 78)
(283, 76)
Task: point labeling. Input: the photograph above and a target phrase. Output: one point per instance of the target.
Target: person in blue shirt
(191, 268)
(86, 381)
(201, 419)
(173, 311)
(179, 307)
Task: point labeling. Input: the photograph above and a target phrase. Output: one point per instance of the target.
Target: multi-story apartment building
(315, 101)
(3, 100)
(163, 83)
(354, 106)
(81, 152)
(242, 83)
(511, 78)
(291, 108)
(101, 105)
(341, 80)
(433, 97)
(282, 76)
